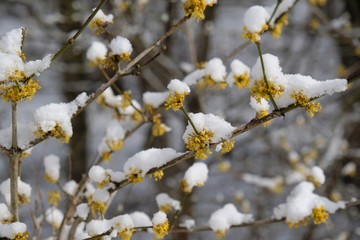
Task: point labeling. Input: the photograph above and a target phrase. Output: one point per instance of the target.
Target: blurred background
(322, 41)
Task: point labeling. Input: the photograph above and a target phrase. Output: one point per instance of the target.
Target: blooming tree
(271, 93)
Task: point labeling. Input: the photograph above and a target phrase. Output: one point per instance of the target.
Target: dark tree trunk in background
(71, 78)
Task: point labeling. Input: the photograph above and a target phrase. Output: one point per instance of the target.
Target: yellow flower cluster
(242, 81)
(281, 22)
(126, 99)
(186, 188)
(262, 113)
(200, 143)
(56, 132)
(126, 234)
(227, 146)
(99, 207)
(303, 101)
(175, 100)
(319, 216)
(218, 234)
(260, 90)
(318, 2)
(99, 25)
(23, 199)
(195, 8)
(18, 91)
(50, 179)
(254, 36)
(207, 81)
(102, 184)
(135, 176)
(161, 230)
(53, 197)
(158, 128)
(158, 175)
(166, 208)
(21, 236)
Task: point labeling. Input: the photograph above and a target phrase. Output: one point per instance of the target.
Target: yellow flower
(102, 184)
(23, 199)
(200, 143)
(158, 128)
(18, 91)
(220, 234)
(126, 234)
(53, 198)
(254, 36)
(298, 224)
(56, 132)
(105, 156)
(207, 81)
(303, 101)
(158, 175)
(277, 30)
(136, 116)
(195, 8)
(175, 100)
(114, 145)
(262, 113)
(99, 207)
(242, 81)
(166, 208)
(227, 146)
(21, 236)
(161, 230)
(186, 188)
(135, 176)
(260, 90)
(314, 24)
(224, 166)
(50, 179)
(319, 215)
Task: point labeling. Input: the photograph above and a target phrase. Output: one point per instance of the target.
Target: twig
(265, 78)
(71, 41)
(189, 119)
(273, 13)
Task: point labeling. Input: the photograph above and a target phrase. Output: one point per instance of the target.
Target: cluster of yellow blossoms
(319, 216)
(303, 101)
(261, 90)
(200, 143)
(254, 36)
(161, 230)
(56, 132)
(280, 23)
(175, 100)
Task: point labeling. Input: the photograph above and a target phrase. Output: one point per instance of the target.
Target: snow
(24, 138)
(82, 210)
(101, 16)
(145, 160)
(97, 174)
(24, 189)
(122, 222)
(101, 196)
(155, 99)
(120, 45)
(97, 51)
(284, 7)
(116, 176)
(11, 42)
(255, 18)
(349, 169)
(163, 199)
(220, 128)
(159, 218)
(52, 167)
(262, 105)
(272, 67)
(189, 224)
(4, 213)
(9, 64)
(37, 66)
(318, 175)
(47, 117)
(70, 187)
(178, 86)
(238, 68)
(222, 219)
(54, 217)
(96, 227)
(300, 203)
(11, 230)
(216, 70)
(196, 175)
(140, 219)
(269, 183)
(194, 77)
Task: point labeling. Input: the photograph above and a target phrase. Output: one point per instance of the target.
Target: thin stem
(265, 78)
(14, 165)
(273, 13)
(189, 119)
(71, 41)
